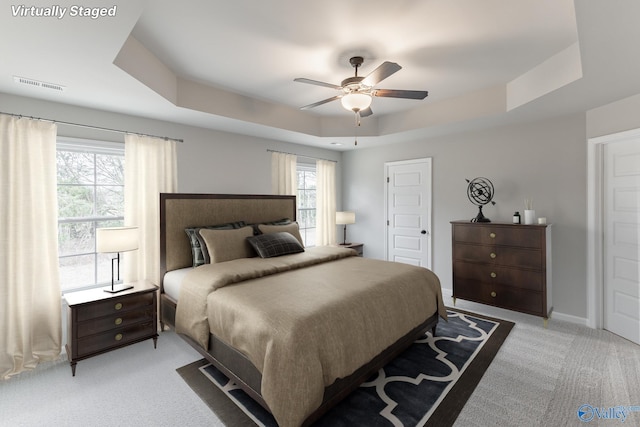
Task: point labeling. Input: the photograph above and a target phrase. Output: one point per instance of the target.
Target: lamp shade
(117, 239)
(356, 101)
(345, 218)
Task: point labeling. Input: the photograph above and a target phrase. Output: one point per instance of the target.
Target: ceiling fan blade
(317, 83)
(382, 72)
(324, 101)
(393, 93)
(366, 112)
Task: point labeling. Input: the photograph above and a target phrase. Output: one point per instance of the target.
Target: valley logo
(59, 12)
(587, 413)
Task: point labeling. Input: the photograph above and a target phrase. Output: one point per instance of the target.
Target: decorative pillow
(275, 244)
(283, 221)
(291, 228)
(199, 251)
(227, 245)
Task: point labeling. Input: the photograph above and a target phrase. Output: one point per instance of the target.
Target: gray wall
(545, 161)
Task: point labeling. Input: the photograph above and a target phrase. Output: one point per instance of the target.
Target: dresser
(502, 264)
(98, 322)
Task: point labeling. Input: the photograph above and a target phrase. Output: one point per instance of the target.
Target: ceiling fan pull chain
(357, 125)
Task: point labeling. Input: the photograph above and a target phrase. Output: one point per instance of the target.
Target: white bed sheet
(173, 280)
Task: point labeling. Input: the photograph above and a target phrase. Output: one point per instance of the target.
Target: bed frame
(179, 211)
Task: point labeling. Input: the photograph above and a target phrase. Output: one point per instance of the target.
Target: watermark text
(588, 413)
(60, 12)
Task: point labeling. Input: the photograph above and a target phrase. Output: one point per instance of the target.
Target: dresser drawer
(499, 255)
(500, 275)
(120, 320)
(528, 237)
(501, 296)
(114, 306)
(114, 338)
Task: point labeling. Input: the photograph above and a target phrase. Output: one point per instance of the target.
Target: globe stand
(480, 192)
(480, 217)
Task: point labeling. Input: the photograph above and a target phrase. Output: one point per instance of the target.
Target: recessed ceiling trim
(559, 70)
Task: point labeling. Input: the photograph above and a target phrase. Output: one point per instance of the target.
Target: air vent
(36, 83)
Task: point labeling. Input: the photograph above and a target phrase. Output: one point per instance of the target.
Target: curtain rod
(306, 157)
(166, 138)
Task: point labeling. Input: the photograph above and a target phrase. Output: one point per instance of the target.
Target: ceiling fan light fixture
(356, 101)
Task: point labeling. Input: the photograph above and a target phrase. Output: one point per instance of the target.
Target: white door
(622, 239)
(408, 211)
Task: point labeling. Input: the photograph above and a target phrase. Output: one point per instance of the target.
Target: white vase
(529, 216)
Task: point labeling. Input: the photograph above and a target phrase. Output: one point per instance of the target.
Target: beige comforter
(303, 328)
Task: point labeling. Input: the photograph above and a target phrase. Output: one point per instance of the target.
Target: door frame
(595, 225)
(429, 201)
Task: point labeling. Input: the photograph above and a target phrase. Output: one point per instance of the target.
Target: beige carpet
(542, 376)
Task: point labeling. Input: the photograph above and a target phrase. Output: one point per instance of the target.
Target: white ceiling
(230, 65)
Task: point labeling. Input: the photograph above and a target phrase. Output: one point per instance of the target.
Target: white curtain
(30, 296)
(284, 175)
(325, 202)
(150, 168)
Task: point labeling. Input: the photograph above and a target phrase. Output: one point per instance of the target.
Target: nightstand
(358, 247)
(98, 322)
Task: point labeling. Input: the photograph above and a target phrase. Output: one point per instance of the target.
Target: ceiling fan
(358, 92)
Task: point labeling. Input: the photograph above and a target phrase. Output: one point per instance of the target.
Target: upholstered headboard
(179, 211)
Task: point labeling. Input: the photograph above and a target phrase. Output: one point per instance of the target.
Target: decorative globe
(480, 192)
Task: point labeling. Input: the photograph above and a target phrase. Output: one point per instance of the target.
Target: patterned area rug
(427, 385)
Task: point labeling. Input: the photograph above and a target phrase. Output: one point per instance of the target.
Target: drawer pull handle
(493, 294)
(493, 274)
(118, 306)
(118, 321)
(492, 235)
(118, 337)
(492, 255)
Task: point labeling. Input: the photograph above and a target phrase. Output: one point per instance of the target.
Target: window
(307, 202)
(90, 195)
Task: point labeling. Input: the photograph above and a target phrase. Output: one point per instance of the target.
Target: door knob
(423, 232)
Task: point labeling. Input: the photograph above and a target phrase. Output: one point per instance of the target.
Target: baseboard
(569, 318)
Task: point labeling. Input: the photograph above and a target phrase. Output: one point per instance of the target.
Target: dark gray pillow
(275, 244)
(199, 251)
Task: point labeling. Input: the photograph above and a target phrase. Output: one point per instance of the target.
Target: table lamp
(344, 218)
(116, 240)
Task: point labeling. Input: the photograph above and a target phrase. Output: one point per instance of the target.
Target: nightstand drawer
(114, 338)
(107, 323)
(114, 306)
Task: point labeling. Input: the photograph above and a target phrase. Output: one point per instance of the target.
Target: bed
(275, 325)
